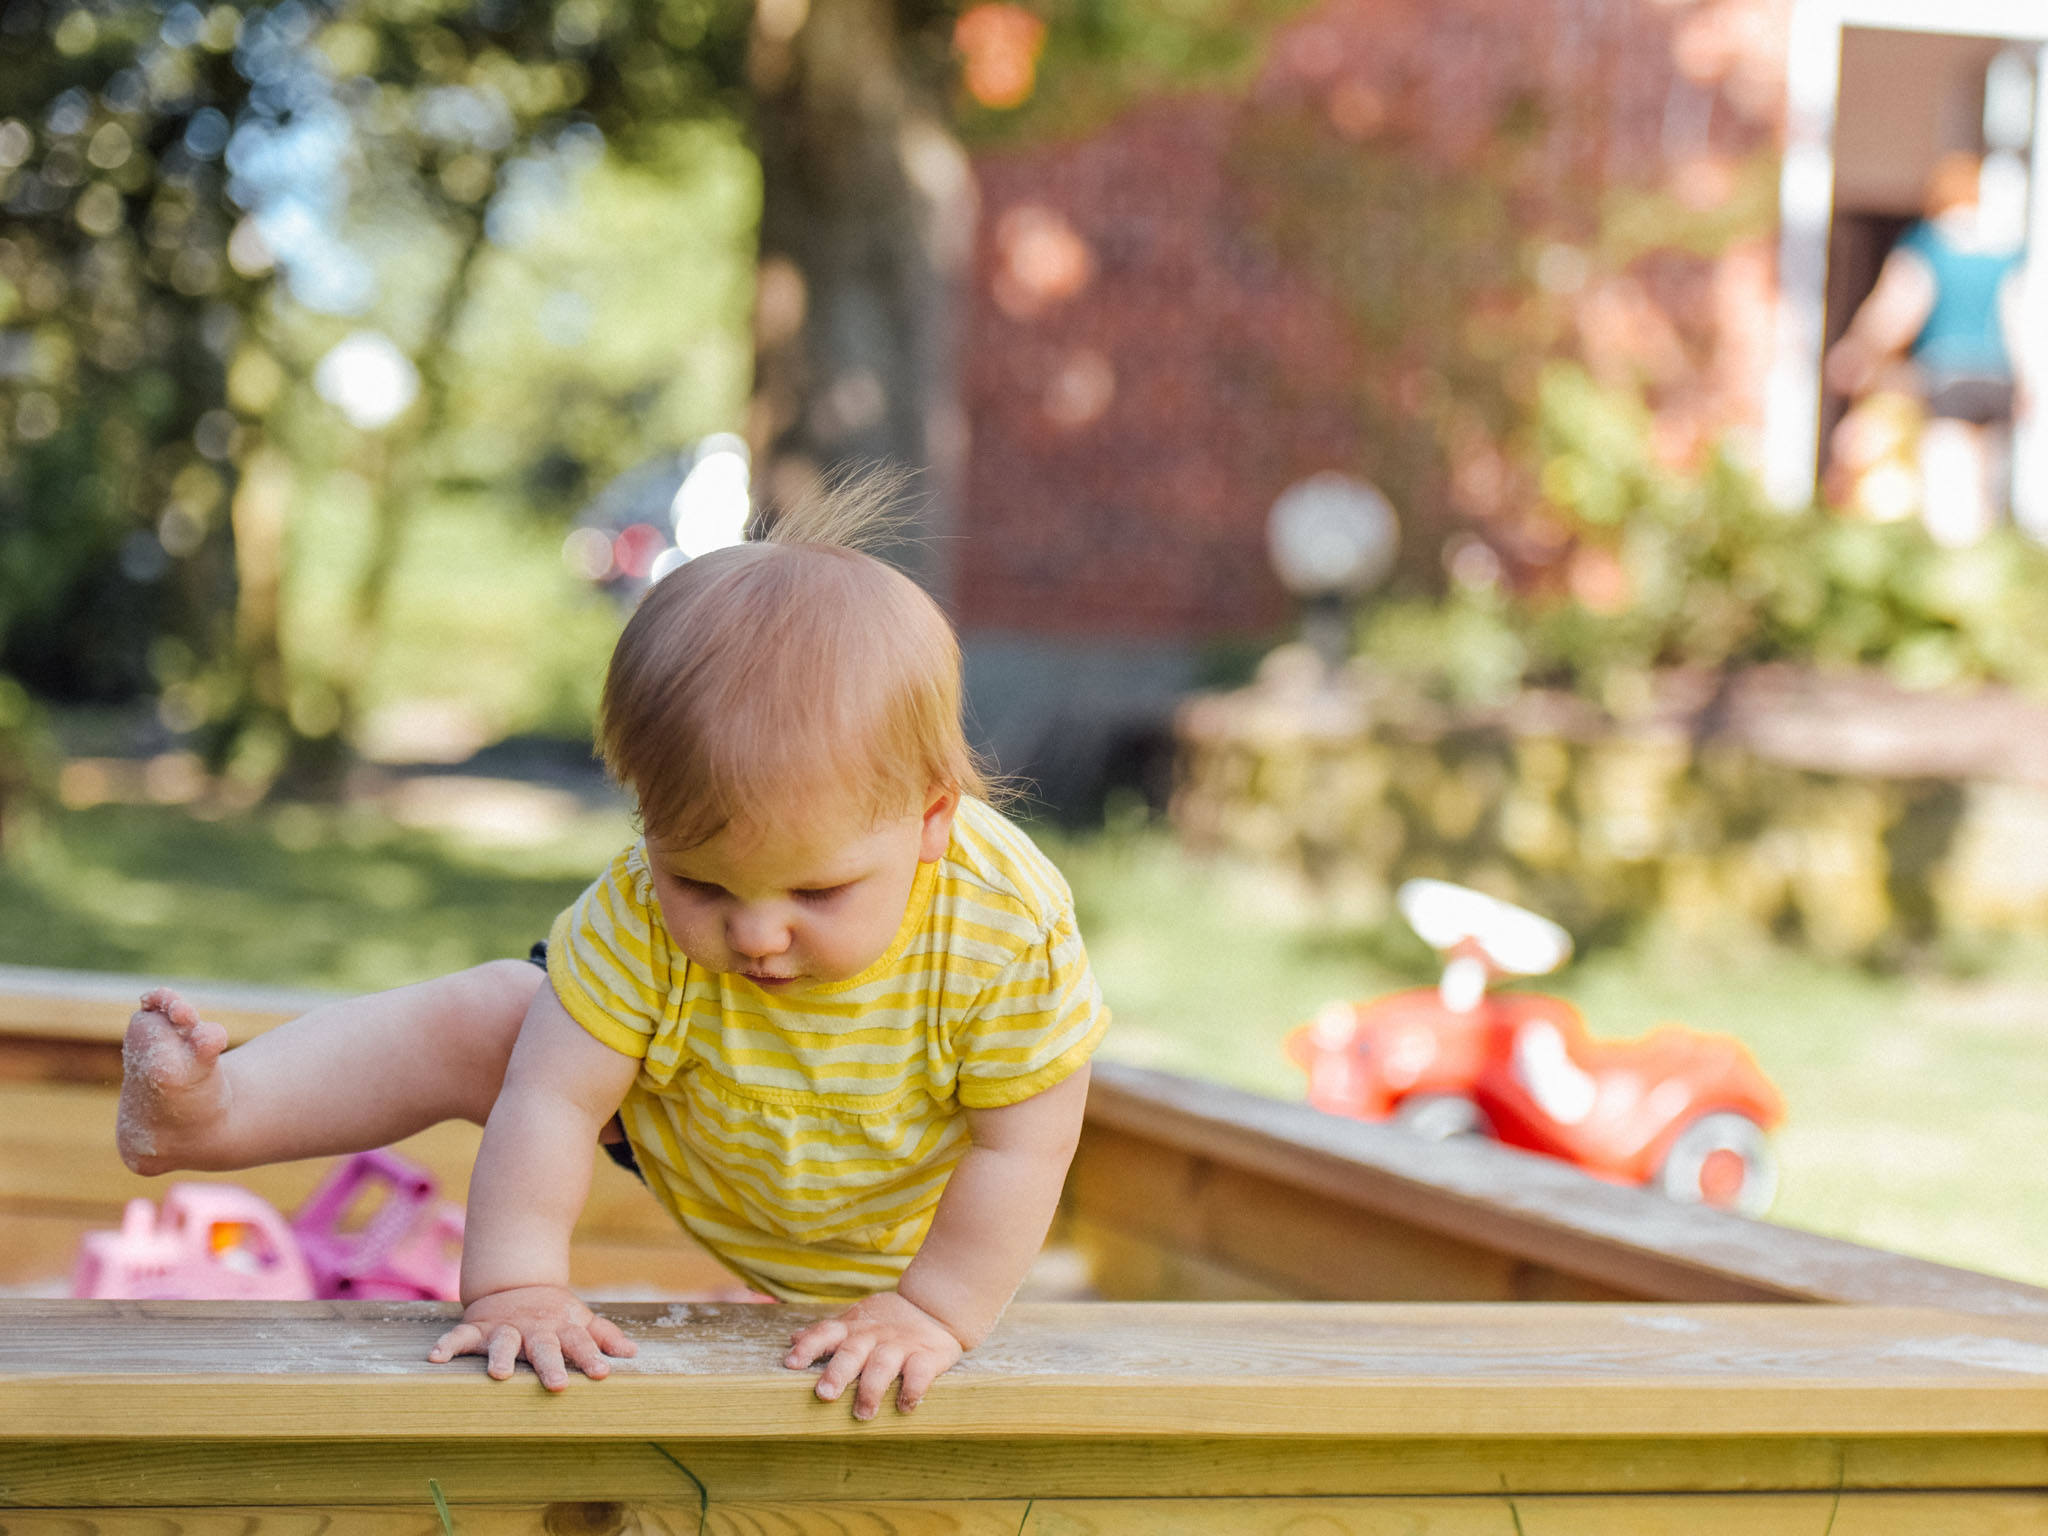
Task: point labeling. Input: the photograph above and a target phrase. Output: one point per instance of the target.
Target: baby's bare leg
(344, 1078)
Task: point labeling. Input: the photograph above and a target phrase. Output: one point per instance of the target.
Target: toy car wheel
(1440, 1116)
(1724, 1160)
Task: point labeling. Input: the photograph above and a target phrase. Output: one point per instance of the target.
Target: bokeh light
(713, 504)
(587, 552)
(999, 46)
(367, 379)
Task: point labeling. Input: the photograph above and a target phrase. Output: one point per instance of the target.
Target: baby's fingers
(582, 1352)
(845, 1364)
(612, 1339)
(462, 1339)
(815, 1341)
(544, 1350)
(919, 1372)
(504, 1352)
(875, 1377)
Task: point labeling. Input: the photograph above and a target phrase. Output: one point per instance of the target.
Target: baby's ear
(938, 826)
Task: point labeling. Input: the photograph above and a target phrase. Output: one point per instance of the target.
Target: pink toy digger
(410, 1248)
(219, 1242)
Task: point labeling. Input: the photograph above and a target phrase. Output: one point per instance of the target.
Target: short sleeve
(1034, 1024)
(604, 960)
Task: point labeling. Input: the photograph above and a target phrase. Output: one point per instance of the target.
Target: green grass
(344, 899)
(1918, 1106)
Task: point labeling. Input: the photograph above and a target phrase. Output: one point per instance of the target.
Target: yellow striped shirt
(805, 1139)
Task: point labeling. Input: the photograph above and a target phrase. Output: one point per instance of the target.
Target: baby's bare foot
(172, 1091)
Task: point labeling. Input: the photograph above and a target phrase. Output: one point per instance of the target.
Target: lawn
(1913, 1101)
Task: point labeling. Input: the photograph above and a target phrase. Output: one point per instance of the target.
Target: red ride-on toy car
(1682, 1112)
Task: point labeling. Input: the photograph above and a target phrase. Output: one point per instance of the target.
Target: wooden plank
(604, 1518)
(38, 1248)
(558, 1518)
(1947, 1514)
(1970, 1514)
(92, 1008)
(139, 1473)
(1807, 1514)
(355, 1370)
(1536, 1210)
(987, 1517)
(1271, 1517)
(1216, 1232)
(1125, 1266)
(1801, 1514)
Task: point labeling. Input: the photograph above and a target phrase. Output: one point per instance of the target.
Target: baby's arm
(532, 1176)
(989, 1226)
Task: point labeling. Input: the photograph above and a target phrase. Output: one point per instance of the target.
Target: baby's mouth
(762, 979)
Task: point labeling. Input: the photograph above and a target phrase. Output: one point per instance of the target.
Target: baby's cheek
(689, 933)
(849, 946)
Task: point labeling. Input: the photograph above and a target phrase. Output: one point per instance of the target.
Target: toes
(208, 1040)
(142, 1048)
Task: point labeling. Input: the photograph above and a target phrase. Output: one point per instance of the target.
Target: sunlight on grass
(310, 897)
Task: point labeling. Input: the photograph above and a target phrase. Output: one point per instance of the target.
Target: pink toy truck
(213, 1241)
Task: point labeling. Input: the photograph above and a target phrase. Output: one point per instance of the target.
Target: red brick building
(1145, 374)
(1179, 315)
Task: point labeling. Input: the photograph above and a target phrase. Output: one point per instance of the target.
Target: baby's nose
(756, 935)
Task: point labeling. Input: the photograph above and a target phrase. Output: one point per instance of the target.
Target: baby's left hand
(877, 1339)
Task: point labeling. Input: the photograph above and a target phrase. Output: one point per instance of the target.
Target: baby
(832, 1007)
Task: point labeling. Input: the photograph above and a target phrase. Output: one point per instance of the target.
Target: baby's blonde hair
(758, 681)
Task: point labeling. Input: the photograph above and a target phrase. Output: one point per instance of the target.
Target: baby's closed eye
(822, 895)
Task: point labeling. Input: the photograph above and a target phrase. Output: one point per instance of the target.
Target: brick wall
(1144, 372)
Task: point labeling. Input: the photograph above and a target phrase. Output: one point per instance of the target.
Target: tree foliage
(200, 204)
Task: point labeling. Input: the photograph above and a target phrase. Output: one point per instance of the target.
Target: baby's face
(795, 907)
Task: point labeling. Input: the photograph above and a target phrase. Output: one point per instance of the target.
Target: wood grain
(1271, 1517)
(355, 1370)
(1935, 1514)
(1806, 1514)
(597, 1518)
(1165, 1223)
(91, 1009)
(481, 1470)
(1534, 1210)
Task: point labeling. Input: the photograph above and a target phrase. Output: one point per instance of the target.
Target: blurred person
(1874, 454)
(1947, 299)
(832, 1008)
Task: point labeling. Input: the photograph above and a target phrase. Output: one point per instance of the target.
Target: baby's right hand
(545, 1323)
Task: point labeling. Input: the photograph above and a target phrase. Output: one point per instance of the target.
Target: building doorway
(1880, 92)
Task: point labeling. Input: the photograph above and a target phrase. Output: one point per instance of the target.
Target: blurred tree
(117, 311)
(215, 214)
(456, 119)
(866, 227)
(186, 193)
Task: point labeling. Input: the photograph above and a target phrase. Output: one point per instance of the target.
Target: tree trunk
(867, 224)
